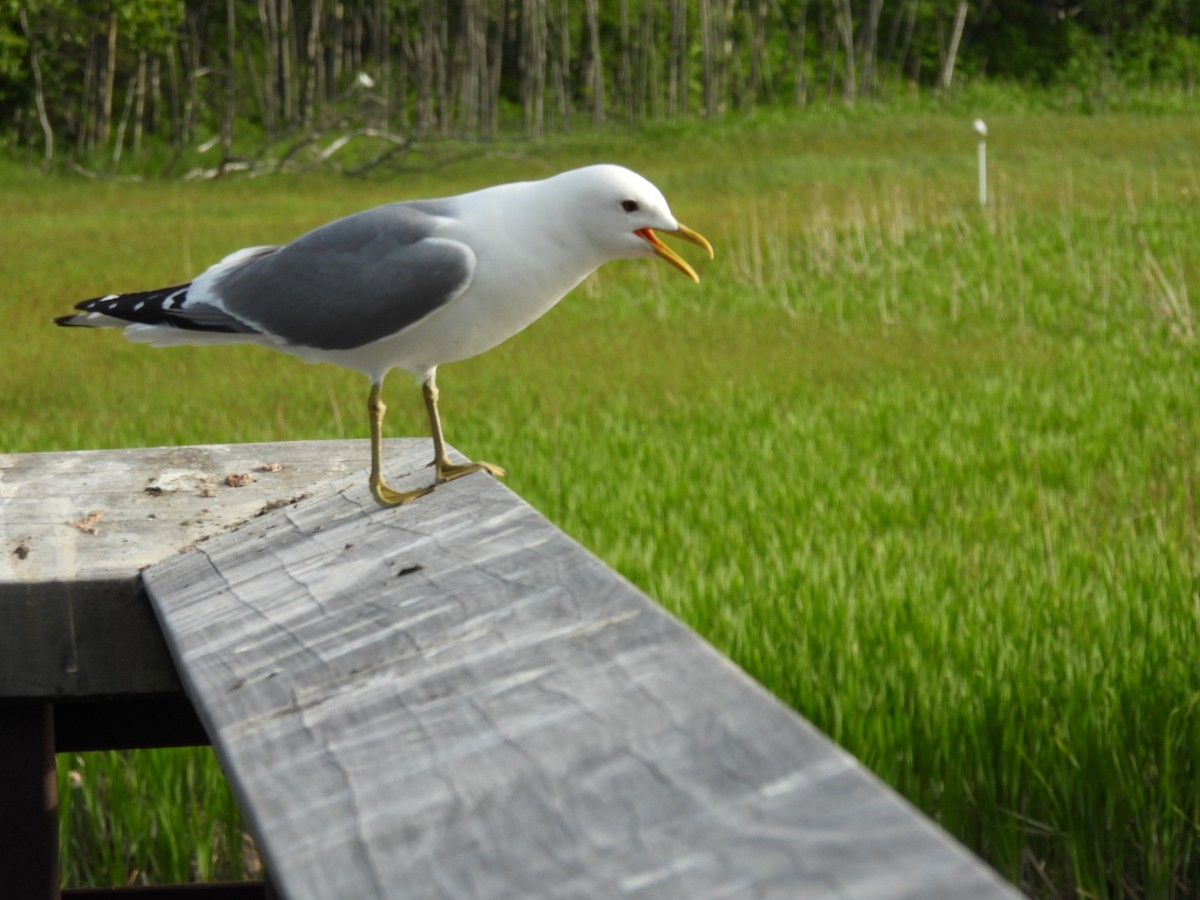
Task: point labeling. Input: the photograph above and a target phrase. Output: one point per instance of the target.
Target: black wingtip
(66, 321)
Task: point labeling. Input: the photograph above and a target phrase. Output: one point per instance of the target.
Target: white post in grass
(981, 130)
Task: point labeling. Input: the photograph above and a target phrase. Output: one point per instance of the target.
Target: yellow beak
(662, 250)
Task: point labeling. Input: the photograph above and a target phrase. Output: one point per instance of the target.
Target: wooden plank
(453, 699)
(28, 802)
(127, 722)
(76, 528)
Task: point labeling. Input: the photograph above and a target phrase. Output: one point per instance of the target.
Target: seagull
(411, 285)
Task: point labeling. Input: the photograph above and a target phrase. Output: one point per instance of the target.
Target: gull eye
(629, 205)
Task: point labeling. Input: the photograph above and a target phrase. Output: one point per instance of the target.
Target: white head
(618, 211)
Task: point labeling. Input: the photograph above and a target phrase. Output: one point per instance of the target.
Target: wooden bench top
(77, 528)
(454, 699)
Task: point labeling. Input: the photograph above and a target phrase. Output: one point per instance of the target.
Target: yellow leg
(446, 470)
(383, 494)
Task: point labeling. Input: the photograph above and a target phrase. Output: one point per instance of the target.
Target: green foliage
(14, 54)
(150, 25)
(927, 471)
(184, 71)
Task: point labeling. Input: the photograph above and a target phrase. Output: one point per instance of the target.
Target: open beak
(661, 249)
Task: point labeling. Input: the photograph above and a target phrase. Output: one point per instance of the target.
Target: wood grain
(453, 699)
(76, 528)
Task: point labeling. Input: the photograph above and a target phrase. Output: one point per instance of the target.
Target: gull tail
(162, 316)
(155, 307)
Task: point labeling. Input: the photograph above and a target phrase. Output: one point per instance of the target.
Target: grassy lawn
(928, 471)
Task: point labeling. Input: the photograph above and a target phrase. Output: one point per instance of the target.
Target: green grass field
(928, 471)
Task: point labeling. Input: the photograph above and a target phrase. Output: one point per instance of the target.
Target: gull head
(619, 212)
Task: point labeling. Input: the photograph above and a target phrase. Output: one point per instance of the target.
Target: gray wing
(353, 281)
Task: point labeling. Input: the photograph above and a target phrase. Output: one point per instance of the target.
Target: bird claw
(385, 496)
(449, 471)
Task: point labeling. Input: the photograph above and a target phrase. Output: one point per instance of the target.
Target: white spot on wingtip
(139, 305)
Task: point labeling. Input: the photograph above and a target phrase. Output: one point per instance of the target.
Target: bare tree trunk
(830, 44)
(230, 82)
(869, 46)
(154, 114)
(404, 68)
(728, 65)
(258, 87)
(468, 62)
(533, 66)
(648, 42)
(312, 60)
(139, 106)
(567, 94)
(380, 57)
(285, 33)
(758, 39)
(596, 70)
(108, 78)
(889, 53)
(119, 141)
(423, 63)
(843, 18)
(338, 46)
(800, 89)
(383, 60)
(495, 66)
(909, 28)
(708, 55)
(429, 63)
(440, 82)
(270, 32)
(39, 95)
(714, 30)
(559, 42)
(960, 20)
(192, 74)
(85, 135)
(625, 89)
(176, 115)
(677, 61)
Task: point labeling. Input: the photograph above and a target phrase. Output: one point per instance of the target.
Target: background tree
(183, 72)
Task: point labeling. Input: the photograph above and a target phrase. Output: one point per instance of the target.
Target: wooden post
(28, 802)
(981, 130)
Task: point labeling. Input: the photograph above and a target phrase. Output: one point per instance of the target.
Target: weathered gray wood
(452, 699)
(28, 802)
(76, 528)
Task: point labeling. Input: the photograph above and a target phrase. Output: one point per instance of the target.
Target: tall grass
(166, 816)
(928, 471)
